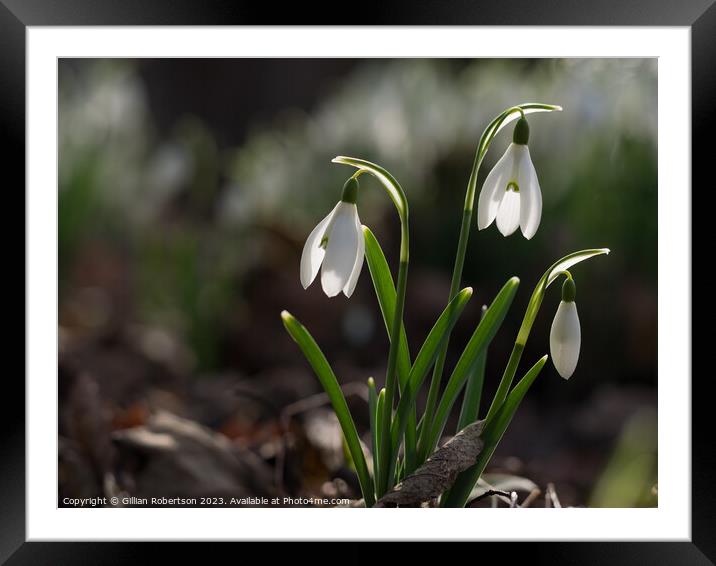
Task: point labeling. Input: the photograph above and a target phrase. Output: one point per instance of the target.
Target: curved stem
(567, 274)
(558, 268)
(397, 195)
(483, 145)
(394, 190)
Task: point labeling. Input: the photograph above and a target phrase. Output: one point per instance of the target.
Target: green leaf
(481, 338)
(491, 436)
(385, 291)
(473, 391)
(328, 380)
(399, 472)
(425, 359)
(372, 416)
(380, 416)
(349, 462)
(411, 441)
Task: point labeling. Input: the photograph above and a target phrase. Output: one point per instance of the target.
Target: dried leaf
(439, 471)
(199, 461)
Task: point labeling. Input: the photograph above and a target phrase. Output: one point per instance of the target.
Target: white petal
(508, 216)
(358, 265)
(531, 200)
(313, 253)
(565, 338)
(341, 249)
(488, 202)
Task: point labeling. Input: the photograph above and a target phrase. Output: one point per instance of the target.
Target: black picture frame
(17, 15)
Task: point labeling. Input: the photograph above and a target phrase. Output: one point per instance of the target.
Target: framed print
(287, 281)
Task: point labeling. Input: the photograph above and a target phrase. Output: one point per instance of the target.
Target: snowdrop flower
(337, 245)
(511, 190)
(566, 335)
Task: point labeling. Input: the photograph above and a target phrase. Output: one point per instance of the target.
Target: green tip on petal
(350, 191)
(521, 134)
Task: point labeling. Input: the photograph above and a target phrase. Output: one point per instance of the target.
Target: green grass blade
(425, 359)
(460, 491)
(481, 338)
(328, 380)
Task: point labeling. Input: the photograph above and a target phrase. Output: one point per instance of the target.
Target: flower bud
(565, 337)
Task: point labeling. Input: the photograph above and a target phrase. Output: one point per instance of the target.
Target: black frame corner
(17, 15)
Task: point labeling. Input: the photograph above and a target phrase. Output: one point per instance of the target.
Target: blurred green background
(187, 188)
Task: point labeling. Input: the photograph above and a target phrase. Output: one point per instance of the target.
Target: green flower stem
(397, 195)
(514, 361)
(506, 382)
(372, 416)
(485, 140)
(386, 479)
(380, 413)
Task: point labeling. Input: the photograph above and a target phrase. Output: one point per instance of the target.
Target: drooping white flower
(336, 246)
(565, 337)
(511, 192)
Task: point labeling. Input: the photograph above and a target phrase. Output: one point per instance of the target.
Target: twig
(550, 497)
(489, 493)
(534, 494)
